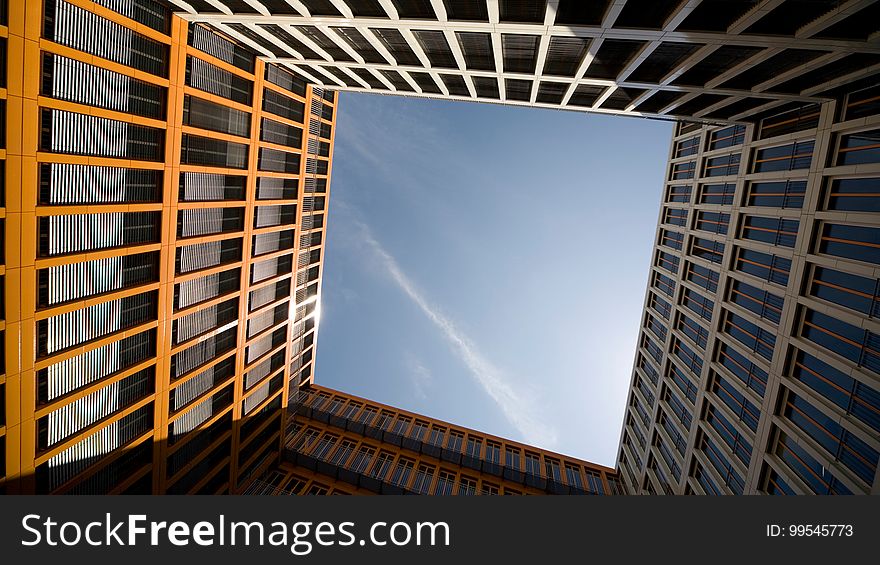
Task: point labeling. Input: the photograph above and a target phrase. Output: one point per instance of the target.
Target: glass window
(859, 148)
(698, 303)
(860, 346)
(717, 459)
(678, 438)
(342, 453)
(437, 435)
(841, 444)
(757, 339)
(776, 485)
(855, 195)
(817, 476)
(738, 445)
(368, 415)
(777, 194)
(533, 463)
(687, 147)
(423, 480)
(419, 430)
(761, 302)
(675, 216)
(790, 121)
(490, 490)
(493, 452)
(402, 424)
(784, 157)
(383, 463)
(745, 410)
(717, 193)
(445, 483)
(663, 283)
(351, 409)
(775, 231)
(847, 290)
(855, 398)
(853, 242)
(770, 268)
(750, 374)
(455, 440)
(474, 446)
(512, 458)
(652, 348)
(727, 137)
(385, 419)
(679, 193)
(864, 102)
(712, 222)
(701, 276)
(722, 166)
(697, 333)
(683, 381)
(402, 472)
(667, 261)
(467, 486)
(671, 239)
(573, 476)
(656, 327)
(678, 408)
(685, 170)
(659, 305)
(324, 446)
(648, 369)
(707, 249)
(554, 471)
(362, 459)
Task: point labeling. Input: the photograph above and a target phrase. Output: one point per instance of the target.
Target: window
(761, 302)
(697, 333)
(841, 444)
(750, 374)
(490, 489)
(790, 121)
(437, 435)
(573, 476)
(701, 276)
(455, 440)
(335, 404)
(852, 242)
(684, 170)
(727, 137)
(817, 476)
(784, 157)
(675, 216)
(385, 419)
(493, 452)
(757, 339)
(678, 193)
(864, 102)
(595, 485)
(660, 305)
(856, 195)
(656, 327)
(402, 472)
(770, 268)
(663, 283)
(402, 424)
(717, 193)
(712, 222)
(859, 148)
(716, 458)
(698, 303)
(683, 381)
(554, 471)
(342, 453)
(722, 166)
(418, 430)
(855, 398)
(362, 459)
(742, 407)
(775, 485)
(318, 400)
(511, 458)
(445, 483)
(367, 415)
(860, 346)
(667, 261)
(324, 446)
(474, 446)
(467, 486)
(729, 434)
(667, 457)
(648, 369)
(652, 348)
(671, 239)
(645, 390)
(777, 194)
(351, 409)
(533, 464)
(775, 231)
(682, 413)
(687, 147)
(383, 463)
(423, 480)
(707, 249)
(671, 428)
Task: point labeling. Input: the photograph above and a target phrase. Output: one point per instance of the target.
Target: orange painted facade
(175, 380)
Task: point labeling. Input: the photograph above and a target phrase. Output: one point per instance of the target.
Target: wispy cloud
(420, 377)
(517, 406)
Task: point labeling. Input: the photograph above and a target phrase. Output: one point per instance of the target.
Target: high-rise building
(164, 219)
(758, 362)
(165, 190)
(342, 444)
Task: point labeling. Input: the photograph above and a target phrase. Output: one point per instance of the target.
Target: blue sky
(486, 265)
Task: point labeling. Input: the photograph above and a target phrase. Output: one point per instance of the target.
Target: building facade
(165, 170)
(342, 444)
(758, 362)
(165, 198)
